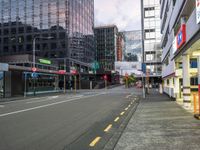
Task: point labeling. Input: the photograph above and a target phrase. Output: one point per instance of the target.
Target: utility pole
(143, 55)
(34, 65)
(64, 75)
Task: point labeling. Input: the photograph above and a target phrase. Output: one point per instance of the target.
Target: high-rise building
(181, 50)
(69, 22)
(106, 40)
(120, 46)
(151, 40)
(132, 46)
(131, 53)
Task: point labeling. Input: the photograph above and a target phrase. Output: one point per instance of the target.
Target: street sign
(45, 61)
(144, 68)
(105, 77)
(126, 75)
(95, 66)
(34, 69)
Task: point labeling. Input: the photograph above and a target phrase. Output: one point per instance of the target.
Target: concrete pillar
(177, 87)
(7, 81)
(199, 78)
(186, 81)
(170, 87)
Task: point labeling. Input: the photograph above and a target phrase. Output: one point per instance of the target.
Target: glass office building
(106, 40)
(152, 37)
(69, 22)
(132, 46)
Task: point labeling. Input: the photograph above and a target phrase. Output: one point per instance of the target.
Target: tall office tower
(69, 22)
(151, 40)
(132, 46)
(120, 46)
(106, 40)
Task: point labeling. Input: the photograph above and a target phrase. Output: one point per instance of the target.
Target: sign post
(34, 69)
(126, 76)
(143, 81)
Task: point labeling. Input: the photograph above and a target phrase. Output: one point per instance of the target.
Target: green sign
(95, 65)
(45, 61)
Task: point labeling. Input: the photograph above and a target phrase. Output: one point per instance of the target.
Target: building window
(194, 81)
(150, 34)
(149, 12)
(193, 63)
(174, 2)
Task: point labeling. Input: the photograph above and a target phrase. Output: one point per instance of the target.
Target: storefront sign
(62, 71)
(45, 61)
(198, 11)
(3, 67)
(74, 72)
(181, 36)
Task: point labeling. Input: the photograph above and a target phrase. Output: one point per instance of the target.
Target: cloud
(125, 14)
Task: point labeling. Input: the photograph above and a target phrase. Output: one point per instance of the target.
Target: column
(199, 79)
(176, 88)
(186, 81)
(170, 87)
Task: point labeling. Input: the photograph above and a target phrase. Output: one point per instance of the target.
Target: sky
(123, 13)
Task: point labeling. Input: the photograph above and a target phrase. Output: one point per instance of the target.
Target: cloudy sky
(124, 13)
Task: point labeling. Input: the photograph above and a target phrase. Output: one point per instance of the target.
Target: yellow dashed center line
(126, 108)
(122, 113)
(108, 128)
(95, 141)
(116, 119)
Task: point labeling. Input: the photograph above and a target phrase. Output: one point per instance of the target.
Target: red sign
(126, 75)
(62, 71)
(181, 36)
(105, 77)
(34, 69)
(74, 72)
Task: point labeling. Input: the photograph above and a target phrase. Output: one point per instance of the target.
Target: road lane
(55, 126)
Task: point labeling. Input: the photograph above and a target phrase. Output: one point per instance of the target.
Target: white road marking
(51, 98)
(2, 106)
(47, 105)
(128, 96)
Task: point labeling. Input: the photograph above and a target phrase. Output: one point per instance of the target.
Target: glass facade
(132, 46)
(1, 84)
(152, 36)
(106, 40)
(69, 22)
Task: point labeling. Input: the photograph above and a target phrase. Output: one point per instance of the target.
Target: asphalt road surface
(64, 122)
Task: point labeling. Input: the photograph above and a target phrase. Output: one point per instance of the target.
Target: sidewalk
(160, 124)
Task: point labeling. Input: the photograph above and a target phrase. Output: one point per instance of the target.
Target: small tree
(130, 79)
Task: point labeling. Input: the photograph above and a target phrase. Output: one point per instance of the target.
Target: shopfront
(37, 83)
